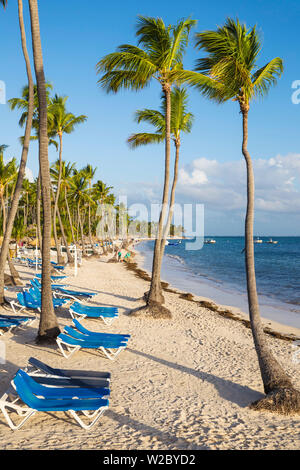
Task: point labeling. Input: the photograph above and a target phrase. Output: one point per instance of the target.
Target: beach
(183, 383)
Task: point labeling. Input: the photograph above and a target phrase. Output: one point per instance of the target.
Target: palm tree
(48, 327)
(230, 71)
(79, 195)
(56, 171)
(133, 67)
(101, 194)
(90, 173)
(14, 203)
(181, 121)
(62, 122)
(8, 174)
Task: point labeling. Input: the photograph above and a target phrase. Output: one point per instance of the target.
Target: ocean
(217, 271)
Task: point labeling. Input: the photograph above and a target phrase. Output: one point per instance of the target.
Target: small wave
(178, 258)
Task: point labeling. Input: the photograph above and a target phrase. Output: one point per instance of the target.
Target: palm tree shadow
(147, 431)
(242, 395)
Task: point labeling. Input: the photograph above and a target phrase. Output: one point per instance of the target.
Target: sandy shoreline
(183, 383)
(268, 323)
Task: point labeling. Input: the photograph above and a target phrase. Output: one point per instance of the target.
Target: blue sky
(75, 37)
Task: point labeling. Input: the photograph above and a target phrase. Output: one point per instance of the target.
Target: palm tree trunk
(172, 200)
(18, 187)
(155, 297)
(69, 256)
(81, 231)
(277, 385)
(48, 327)
(38, 212)
(59, 257)
(14, 273)
(3, 214)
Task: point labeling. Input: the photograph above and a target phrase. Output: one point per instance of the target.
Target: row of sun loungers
(39, 387)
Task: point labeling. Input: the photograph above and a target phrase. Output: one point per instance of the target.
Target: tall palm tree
(230, 71)
(56, 171)
(18, 187)
(62, 122)
(133, 67)
(101, 194)
(8, 174)
(66, 176)
(181, 121)
(48, 327)
(79, 193)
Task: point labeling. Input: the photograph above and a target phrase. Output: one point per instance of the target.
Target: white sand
(181, 384)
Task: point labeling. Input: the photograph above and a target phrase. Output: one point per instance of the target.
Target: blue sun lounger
(107, 314)
(24, 300)
(53, 278)
(37, 296)
(71, 341)
(13, 321)
(9, 324)
(73, 294)
(92, 408)
(36, 366)
(88, 334)
(37, 283)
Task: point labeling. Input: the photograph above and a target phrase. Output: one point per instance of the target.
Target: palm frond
(144, 138)
(267, 76)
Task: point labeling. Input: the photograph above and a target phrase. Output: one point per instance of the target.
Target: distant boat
(258, 240)
(272, 241)
(209, 242)
(173, 243)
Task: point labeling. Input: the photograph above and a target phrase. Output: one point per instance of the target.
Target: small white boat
(272, 241)
(258, 240)
(210, 241)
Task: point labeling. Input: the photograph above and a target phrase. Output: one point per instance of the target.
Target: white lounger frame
(10, 401)
(107, 320)
(69, 349)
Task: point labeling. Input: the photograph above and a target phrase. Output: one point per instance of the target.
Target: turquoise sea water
(217, 271)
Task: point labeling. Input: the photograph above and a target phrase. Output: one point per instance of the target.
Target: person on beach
(119, 255)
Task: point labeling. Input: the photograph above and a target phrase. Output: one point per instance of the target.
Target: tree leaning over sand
(48, 327)
(181, 121)
(230, 72)
(133, 67)
(15, 201)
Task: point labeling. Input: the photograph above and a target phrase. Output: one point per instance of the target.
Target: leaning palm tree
(133, 67)
(181, 121)
(8, 172)
(48, 327)
(25, 147)
(230, 71)
(62, 122)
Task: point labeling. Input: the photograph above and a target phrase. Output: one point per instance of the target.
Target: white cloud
(222, 185)
(29, 174)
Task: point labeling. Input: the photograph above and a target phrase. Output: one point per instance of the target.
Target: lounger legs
(68, 351)
(21, 411)
(88, 426)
